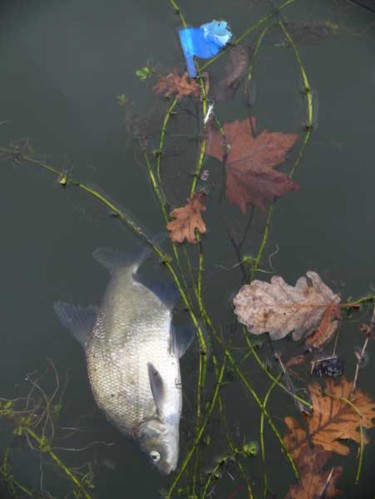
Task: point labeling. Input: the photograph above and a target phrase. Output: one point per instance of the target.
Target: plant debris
(280, 309)
(338, 415)
(178, 85)
(188, 219)
(249, 160)
(315, 480)
(234, 70)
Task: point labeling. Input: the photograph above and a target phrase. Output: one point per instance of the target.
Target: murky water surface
(63, 65)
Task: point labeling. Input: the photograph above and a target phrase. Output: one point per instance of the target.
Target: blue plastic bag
(204, 42)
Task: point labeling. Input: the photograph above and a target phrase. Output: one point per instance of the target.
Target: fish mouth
(167, 469)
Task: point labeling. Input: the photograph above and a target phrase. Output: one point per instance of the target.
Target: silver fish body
(132, 354)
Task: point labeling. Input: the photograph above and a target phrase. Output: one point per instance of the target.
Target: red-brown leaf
(315, 481)
(179, 85)
(188, 219)
(250, 161)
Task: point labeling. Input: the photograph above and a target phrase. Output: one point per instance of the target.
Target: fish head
(159, 441)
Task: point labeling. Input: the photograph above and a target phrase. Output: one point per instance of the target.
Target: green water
(62, 65)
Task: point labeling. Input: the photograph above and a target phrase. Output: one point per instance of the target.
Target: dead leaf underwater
(250, 177)
(188, 218)
(339, 414)
(234, 70)
(178, 85)
(316, 481)
(280, 309)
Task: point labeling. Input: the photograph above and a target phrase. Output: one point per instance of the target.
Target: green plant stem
(57, 460)
(261, 433)
(155, 185)
(265, 19)
(200, 432)
(241, 467)
(361, 301)
(167, 117)
(275, 380)
(126, 219)
(361, 432)
(203, 142)
(308, 98)
(177, 10)
(266, 232)
(261, 406)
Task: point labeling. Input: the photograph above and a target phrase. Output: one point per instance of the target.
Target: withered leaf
(327, 326)
(179, 85)
(279, 309)
(250, 178)
(338, 414)
(309, 32)
(188, 218)
(315, 481)
(234, 70)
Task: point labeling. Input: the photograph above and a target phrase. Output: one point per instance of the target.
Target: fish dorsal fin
(157, 387)
(113, 259)
(181, 339)
(167, 291)
(79, 320)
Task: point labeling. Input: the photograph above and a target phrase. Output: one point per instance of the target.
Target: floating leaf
(234, 70)
(174, 84)
(338, 414)
(250, 178)
(188, 219)
(315, 481)
(279, 309)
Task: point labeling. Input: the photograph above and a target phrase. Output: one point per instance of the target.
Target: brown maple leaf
(188, 219)
(250, 178)
(338, 414)
(179, 85)
(315, 482)
(280, 309)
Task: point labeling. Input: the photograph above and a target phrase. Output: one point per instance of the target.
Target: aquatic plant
(227, 353)
(33, 420)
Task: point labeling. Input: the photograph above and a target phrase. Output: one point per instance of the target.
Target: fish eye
(155, 456)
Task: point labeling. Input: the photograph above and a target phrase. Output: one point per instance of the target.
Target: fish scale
(132, 355)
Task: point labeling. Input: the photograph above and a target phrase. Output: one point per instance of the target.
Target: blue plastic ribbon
(204, 42)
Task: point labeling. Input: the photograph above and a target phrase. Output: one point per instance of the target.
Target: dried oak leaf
(179, 85)
(315, 482)
(338, 414)
(250, 177)
(188, 218)
(279, 309)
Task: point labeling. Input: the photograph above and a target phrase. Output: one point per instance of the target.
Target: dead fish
(132, 352)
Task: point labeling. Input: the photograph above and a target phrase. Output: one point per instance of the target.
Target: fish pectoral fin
(157, 387)
(181, 339)
(79, 320)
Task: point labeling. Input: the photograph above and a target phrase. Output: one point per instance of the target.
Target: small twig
(368, 332)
